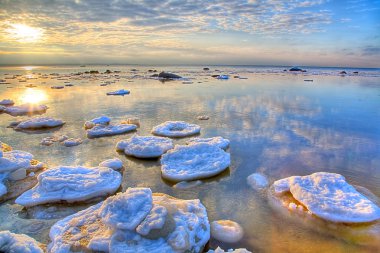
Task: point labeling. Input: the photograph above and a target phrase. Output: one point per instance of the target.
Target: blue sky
(257, 32)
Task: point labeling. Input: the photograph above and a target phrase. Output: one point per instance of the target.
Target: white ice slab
(100, 131)
(39, 122)
(18, 243)
(176, 129)
(217, 141)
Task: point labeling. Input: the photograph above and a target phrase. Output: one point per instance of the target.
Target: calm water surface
(278, 125)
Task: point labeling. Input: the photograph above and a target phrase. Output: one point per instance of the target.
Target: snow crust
(114, 163)
(145, 146)
(71, 184)
(39, 122)
(192, 162)
(226, 231)
(176, 129)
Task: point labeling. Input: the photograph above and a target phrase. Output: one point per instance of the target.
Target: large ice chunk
(14, 160)
(100, 131)
(192, 162)
(329, 196)
(226, 231)
(18, 243)
(26, 109)
(257, 181)
(176, 129)
(71, 184)
(219, 250)
(102, 120)
(145, 146)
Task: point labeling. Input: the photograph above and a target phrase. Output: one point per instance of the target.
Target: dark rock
(356, 72)
(154, 75)
(108, 71)
(205, 69)
(343, 72)
(215, 76)
(295, 69)
(165, 75)
(94, 72)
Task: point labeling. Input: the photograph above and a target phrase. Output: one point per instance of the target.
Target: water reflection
(33, 96)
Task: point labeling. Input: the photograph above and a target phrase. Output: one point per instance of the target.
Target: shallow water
(278, 125)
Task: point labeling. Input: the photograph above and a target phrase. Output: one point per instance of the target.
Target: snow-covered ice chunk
(121, 92)
(39, 122)
(187, 184)
(3, 189)
(226, 231)
(219, 250)
(114, 163)
(145, 146)
(217, 141)
(71, 184)
(26, 109)
(169, 225)
(102, 120)
(100, 131)
(223, 77)
(257, 181)
(176, 129)
(192, 162)
(18, 243)
(7, 102)
(71, 142)
(203, 117)
(14, 160)
(126, 210)
(330, 197)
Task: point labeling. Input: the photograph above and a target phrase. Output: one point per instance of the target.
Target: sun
(33, 96)
(24, 33)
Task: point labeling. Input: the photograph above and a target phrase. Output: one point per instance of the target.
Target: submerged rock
(165, 75)
(26, 109)
(100, 131)
(226, 231)
(194, 161)
(71, 184)
(216, 141)
(145, 146)
(329, 196)
(18, 243)
(176, 129)
(38, 123)
(134, 221)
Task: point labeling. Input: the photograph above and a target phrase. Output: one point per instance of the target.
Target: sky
(246, 32)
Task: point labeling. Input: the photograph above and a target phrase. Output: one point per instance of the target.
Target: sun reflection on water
(33, 96)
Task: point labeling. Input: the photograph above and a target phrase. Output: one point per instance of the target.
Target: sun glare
(24, 33)
(33, 96)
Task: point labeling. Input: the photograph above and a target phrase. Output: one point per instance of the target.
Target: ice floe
(257, 181)
(176, 129)
(121, 92)
(7, 102)
(38, 123)
(217, 141)
(145, 146)
(26, 109)
(203, 117)
(192, 162)
(187, 184)
(226, 231)
(219, 250)
(100, 131)
(71, 184)
(14, 160)
(134, 221)
(71, 142)
(330, 197)
(114, 163)
(102, 120)
(18, 243)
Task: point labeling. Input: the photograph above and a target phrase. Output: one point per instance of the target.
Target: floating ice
(71, 142)
(2, 108)
(3, 190)
(102, 120)
(100, 131)
(226, 231)
(121, 92)
(203, 117)
(219, 250)
(192, 162)
(176, 129)
(330, 197)
(257, 181)
(187, 184)
(149, 223)
(216, 141)
(145, 146)
(39, 122)
(114, 163)
(26, 109)
(14, 160)
(6, 102)
(223, 77)
(18, 243)
(71, 184)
